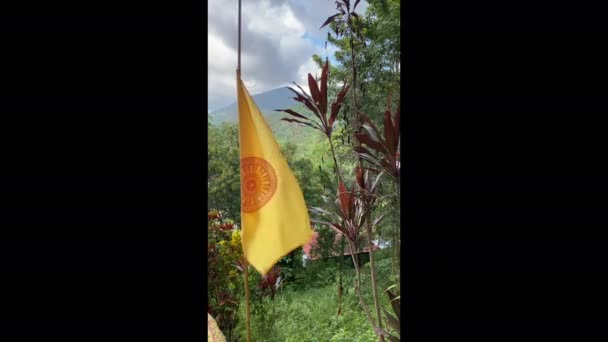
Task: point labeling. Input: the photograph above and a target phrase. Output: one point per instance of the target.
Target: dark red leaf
(323, 100)
(329, 20)
(338, 228)
(335, 109)
(303, 123)
(360, 149)
(389, 133)
(367, 140)
(387, 165)
(345, 201)
(313, 109)
(351, 202)
(301, 93)
(343, 92)
(337, 104)
(360, 179)
(298, 97)
(397, 118)
(368, 121)
(309, 103)
(314, 91)
(291, 112)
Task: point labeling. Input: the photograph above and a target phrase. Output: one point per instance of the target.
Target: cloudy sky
(278, 39)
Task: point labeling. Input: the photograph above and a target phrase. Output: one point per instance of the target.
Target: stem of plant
(398, 244)
(358, 285)
(373, 271)
(333, 154)
(358, 120)
(340, 288)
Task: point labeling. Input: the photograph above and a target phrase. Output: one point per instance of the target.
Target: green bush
(383, 254)
(224, 281)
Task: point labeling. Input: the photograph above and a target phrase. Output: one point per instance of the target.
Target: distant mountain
(267, 102)
(280, 98)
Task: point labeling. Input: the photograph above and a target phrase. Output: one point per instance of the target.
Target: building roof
(309, 248)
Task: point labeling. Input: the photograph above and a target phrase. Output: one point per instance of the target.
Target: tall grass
(306, 312)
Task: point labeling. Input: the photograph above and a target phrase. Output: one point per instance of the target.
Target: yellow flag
(274, 217)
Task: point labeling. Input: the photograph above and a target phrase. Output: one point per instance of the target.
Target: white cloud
(275, 51)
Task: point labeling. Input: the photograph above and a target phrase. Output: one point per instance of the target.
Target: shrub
(224, 281)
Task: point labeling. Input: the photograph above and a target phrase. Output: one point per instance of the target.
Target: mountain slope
(280, 98)
(267, 102)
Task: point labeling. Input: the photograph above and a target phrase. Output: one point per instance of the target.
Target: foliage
(393, 320)
(341, 213)
(224, 282)
(377, 43)
(316, 102)
(350, 211)
(385, 146)
(312, 180)
(223, 182)
(306, 311)
(270, 282)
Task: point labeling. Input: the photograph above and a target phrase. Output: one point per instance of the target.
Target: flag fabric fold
(274, 217)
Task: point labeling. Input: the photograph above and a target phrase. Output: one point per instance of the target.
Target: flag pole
(245, 263)
(238, 69)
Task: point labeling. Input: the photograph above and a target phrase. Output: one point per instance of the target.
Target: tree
(223, 183)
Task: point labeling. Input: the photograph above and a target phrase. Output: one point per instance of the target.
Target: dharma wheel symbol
(258, 183)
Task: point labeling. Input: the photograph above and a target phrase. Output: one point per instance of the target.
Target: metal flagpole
(245, 263)
(238, 69)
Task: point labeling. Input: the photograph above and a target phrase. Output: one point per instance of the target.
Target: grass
(308, 313)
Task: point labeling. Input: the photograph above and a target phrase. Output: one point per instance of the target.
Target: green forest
(342, 141)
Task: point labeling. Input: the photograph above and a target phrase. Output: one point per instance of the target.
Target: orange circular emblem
(258, 183)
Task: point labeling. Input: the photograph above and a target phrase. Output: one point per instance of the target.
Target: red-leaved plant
(346, 214)
(271, 281)
(349, 212)
(222, 280)
(367, 196)
(385, 145)
(316, 102)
